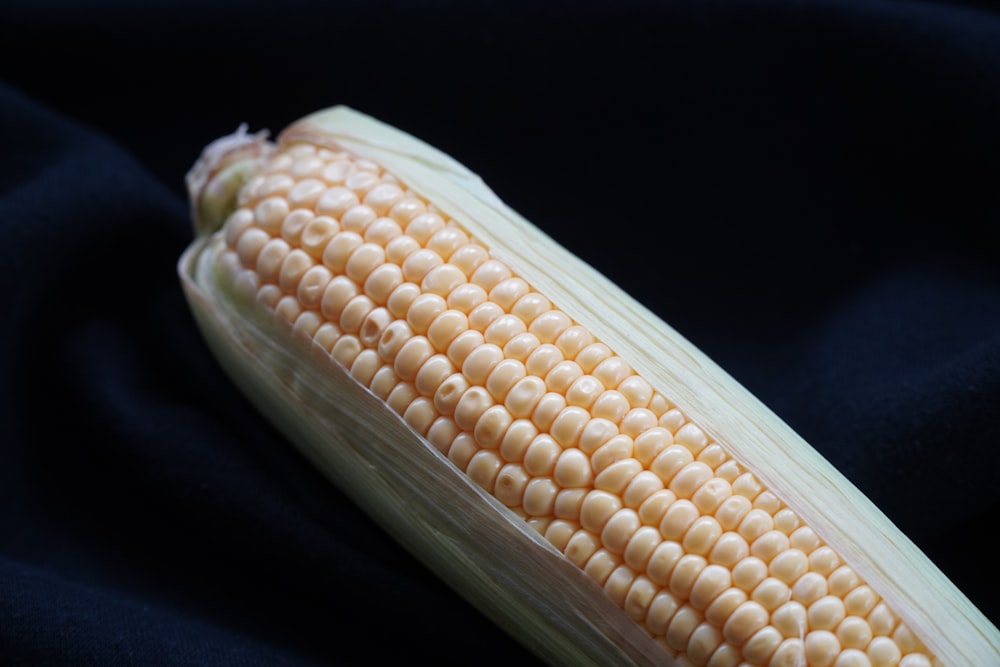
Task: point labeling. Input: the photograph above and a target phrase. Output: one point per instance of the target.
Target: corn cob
(560, 456)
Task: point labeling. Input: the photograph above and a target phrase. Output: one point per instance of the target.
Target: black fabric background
(808, 191)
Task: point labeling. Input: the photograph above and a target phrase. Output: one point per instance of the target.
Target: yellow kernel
(650, 443)
(569, 502)
(423, 310)
(381, 231)
(510, 484)
(749, 572)
(852, 657)
(540, 496)
(860, 601)
(503, 377)
(572, 469)
(843, 580)
(517, 439)
(354, 313)
(270, 213)
(361, 181)
(373, 327)
(823, 560)
(601, 565)
(406, 209)
(581, 547)
(335, 172)
(506, 293)
(672, 420)
(346, 349)
(702, 535)
(640, 488)
(489, 274)
(746, 485)
(790, 619)
(881, 619)
(462, 449)
(382, 281)
(768, 502)
(745, 620)
(762, 644)
(432, 373)
(689, 479)
(468, 258)
(826, 613)
(640, 546)
(466, 297)
(550, 325)
(883, 652)
(249, 245)
(288, 308)
(336, 201)
(411, 357)
(383, 382)
(419, 263)
(670, 461)
(443, 279)
(611, 405)
(677, 519)
(399, 248)
(663, 560)
(269, 295)
(307, 323)
(619, 530)
(463, 344)
(723, 606)
(474, 402)
(449, 393)
(270, 259)
(682, 626)
(558, 532)
(810, 587)
(483, 315)
(618, 584)
(597, 509)
(615, 477)
(769, 545)
(691, 437)
(568, 425)
(383, 197)
(595, 434)
(420, 414)
(772, 593)
(710, 495)
(480, 362)
(612, 371)
(788, 565)
(637, 420)
(729, 549)
(661, 611)
(685, 573)
(312, 285)
(713, 456)
(725, 656)
(639, 597)
(524, 396)
(654, 508)
(358, 219)
(617, 449)
(423, 226)
(337, 294)
(483, 468)
(754, 524)
(529, 306)
(521, 346)
(710, 583)
(492, 425)
(584, 390)
(854, 632)
(543, 359)
(442, 432)
(446, 241)
(805, 539)
(502, 329)
(445, 327)
(305, 193)
(789, 654)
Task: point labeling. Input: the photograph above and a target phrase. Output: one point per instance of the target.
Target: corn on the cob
(558, 454)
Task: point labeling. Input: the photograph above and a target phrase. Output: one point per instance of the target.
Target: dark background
(808, 191)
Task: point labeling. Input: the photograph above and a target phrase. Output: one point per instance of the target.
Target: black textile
(807, 190)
